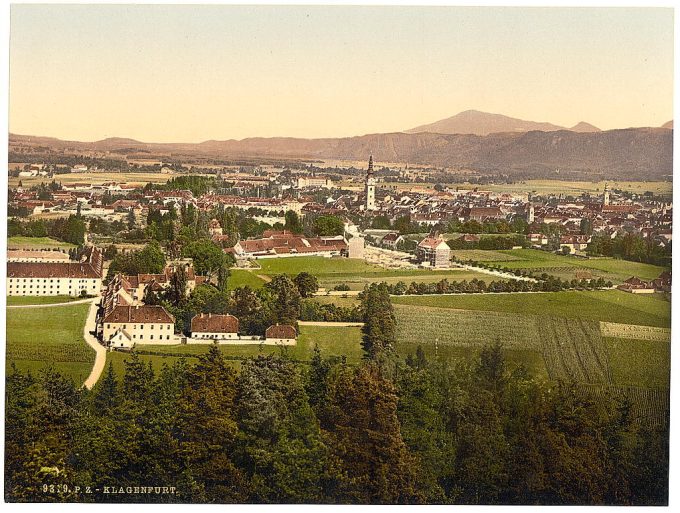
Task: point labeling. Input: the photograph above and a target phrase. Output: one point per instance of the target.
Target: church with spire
(370, 186)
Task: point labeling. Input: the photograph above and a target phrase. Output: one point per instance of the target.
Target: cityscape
(476, 310)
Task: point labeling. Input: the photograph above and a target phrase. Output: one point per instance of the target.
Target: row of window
(141, 326)
(30, 280)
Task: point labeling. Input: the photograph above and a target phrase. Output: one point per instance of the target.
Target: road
(49, 305)
(93, 342)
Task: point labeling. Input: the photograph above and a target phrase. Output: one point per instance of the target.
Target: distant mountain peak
(482, 123)
(582, 126)
(668, 124)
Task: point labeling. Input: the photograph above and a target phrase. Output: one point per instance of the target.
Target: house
(286, 244)
(214, 327)
(281, 334)
(635, 285)
(433, 251)
(57, 278)
(141, 325)
(575, 242)
(538, 239)
(392, 239)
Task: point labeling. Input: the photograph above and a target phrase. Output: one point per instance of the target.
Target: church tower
(370, 186)
(605, 199)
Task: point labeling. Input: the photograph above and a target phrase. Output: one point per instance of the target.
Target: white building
(126, 326)
(214, 327)
(57, 278)
(370, 186)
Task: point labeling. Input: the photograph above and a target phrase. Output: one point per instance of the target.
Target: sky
(193, 73)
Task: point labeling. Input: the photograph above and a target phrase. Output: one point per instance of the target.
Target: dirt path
(48, 305)
(100, 358)
(331, 323)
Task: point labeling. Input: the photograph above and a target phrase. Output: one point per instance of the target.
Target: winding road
(100, 350)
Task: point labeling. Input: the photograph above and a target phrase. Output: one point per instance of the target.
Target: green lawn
(241, 278)
(315, 265)
(613, 269)
(39, 337)
(39, 300)
(332, 340)
(641, 363)
(606, 305)
(36, 242)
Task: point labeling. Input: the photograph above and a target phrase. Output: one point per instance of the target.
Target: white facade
(53, 286)
(142, 332)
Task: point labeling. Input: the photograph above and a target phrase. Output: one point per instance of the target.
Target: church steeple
(370, 186)
(370, 165)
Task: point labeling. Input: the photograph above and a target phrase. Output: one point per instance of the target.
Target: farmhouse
(214, 327)
(433, 251)
(283, 334)
(57, 278)
(129, 325)
(636, 286)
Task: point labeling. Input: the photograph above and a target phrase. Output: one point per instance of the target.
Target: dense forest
(275, 430)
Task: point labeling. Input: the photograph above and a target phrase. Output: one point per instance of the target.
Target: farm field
(241, 278)
(332, 341)
(40, 337)
(616, 270)
(39, 300)
(483, 255)
(93, 178)
(642, 363)
(20, 242)
(604, 305)
(357, 273)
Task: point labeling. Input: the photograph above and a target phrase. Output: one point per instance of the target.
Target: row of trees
(70, 229)
(631, 246)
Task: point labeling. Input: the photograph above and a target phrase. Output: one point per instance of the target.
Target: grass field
(39, 337)
(39, 300)
(36, 243)
(332, 341)
(93, 178)
(616, 270)
(483, 255)
(357, 273)
(241, 278)
(642, 363)
(603, 305)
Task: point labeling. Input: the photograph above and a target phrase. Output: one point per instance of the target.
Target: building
(370, 186)
(433, 251)
(46, 256)
(635, 285)
(281, 334)
(130, 325)
(214, 327)
(392, 239)
(287, 244)
(136, 285)
(356, 247)
(574, 243)
(605, 197)
(57, 278)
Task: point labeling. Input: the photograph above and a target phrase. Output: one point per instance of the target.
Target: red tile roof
(214, 323)
(141, 314)
(281, 331)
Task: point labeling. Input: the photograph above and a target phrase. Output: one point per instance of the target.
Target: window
(151, 337)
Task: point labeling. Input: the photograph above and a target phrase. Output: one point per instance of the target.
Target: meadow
(19, 242)
(602, 305)
(39, 300)
(43, 337)
(566, 267)
(241, 278)
(356, 273)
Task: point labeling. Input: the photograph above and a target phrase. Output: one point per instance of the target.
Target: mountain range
(484, 123)
(582, 152)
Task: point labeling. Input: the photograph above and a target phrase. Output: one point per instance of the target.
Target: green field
(40, 337)
(39, 300)
(36, 243)
(483, 255)
(613, 269)
(241, 278)
(602, 305)
(357, 273)
(642, 363)
(332, 341)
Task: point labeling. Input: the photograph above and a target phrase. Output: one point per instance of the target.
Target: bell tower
(370, 186)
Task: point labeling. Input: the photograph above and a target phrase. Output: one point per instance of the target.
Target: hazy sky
(192, 73)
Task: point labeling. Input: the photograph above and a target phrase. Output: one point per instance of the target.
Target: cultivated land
(36, 243)
(357, 273)
(613, 269)
(601, 305)
(93, 178)
(644, 363)
(43, 337)
(550, 187)
(39, 300)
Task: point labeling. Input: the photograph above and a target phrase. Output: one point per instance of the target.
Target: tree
(307, 284)
(208, 258)
(293, 223)
(328, 225)
(285, 303)
(177, 289)
(379, 329)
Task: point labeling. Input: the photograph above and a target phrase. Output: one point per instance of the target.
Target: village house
(574, 243)
(281, 334)
(126, 326)
(57, 278)
(433, 251)
(286, 244)
(214, 327)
